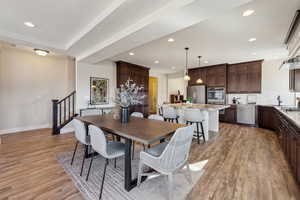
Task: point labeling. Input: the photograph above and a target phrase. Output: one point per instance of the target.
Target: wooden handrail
(63, 112)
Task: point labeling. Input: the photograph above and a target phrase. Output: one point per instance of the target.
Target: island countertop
(209, 107)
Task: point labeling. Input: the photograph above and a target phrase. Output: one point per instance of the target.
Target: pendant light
(199, 80)
(186, 75)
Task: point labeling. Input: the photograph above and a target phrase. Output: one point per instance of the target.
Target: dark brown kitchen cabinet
(195, 74)
(266, 117)
(244, 77)
(216, 76)
(228, 115)
(294, 82)
(140, 75)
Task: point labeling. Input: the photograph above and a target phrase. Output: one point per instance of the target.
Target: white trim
(21, 129)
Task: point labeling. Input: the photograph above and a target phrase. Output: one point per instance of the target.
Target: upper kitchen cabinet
(295, 80)
(212, 76)
(244, 77)
(216, 76)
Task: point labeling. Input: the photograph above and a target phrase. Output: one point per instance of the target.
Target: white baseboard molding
(21, 129)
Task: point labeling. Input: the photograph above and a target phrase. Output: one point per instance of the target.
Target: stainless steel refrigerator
(197, 93)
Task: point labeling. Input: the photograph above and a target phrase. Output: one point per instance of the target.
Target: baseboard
(26, 128)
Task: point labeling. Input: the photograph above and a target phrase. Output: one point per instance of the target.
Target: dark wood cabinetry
(266, 117)
(229, 115)
(140, 75)
(212, 76)
(244, 77)
(294, 83)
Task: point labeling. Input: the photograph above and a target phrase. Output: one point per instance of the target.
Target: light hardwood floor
(244, 163)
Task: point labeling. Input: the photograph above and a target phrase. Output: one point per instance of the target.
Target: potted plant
(127, 95)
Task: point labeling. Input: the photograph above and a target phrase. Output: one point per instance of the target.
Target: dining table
(142, 130)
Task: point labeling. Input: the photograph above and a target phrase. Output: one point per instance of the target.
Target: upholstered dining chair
(169, 114)
(156, 117)
(195, 116)
(107, 149)
(168, 157)
(81, 137)
(139, 115)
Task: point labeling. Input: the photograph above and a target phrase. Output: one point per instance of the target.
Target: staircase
(63, 112)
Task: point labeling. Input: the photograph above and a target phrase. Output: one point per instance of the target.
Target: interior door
(153, 94)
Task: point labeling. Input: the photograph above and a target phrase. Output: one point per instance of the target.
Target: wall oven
(216, 95)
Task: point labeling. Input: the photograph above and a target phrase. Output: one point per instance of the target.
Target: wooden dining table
(141, 130)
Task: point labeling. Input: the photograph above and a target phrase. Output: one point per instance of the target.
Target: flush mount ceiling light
(171, 40)
(29, 24)
(41, 52)
(248, 13)
(186, 75)
(156, 62)
(131, 53)
(252, 40)
(199, 80)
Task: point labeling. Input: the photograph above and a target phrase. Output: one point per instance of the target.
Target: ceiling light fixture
(186, 75)
(252, 40)
(199, 80)
(156, 62)
(173, 67)
(41, 52)
(171, 40)
(131, 53)
(248, 13)
(29, 24)
(254, 53)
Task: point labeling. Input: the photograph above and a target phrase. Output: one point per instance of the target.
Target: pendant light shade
(186, 75)
(199, 80)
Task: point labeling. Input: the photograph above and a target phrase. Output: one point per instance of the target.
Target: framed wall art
(99, 91)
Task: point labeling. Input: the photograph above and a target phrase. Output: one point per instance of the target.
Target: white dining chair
(195, 116)
(81, 137)
(137, 114)
(168, 157)
(169, 114)
(107, 149)
(156, 117)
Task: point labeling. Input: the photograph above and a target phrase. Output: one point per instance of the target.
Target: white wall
(274, 82)
(176, 82)
(162, 89)
(83, 73)
(28, 83)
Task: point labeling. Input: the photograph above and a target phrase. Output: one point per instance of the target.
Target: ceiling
(223, 38)
(94, 30)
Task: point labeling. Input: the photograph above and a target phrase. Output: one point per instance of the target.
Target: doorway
(153, 95)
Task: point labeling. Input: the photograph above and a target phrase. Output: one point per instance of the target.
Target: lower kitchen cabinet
(266, 117)
(229, 115)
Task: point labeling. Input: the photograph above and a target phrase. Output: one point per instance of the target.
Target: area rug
(155, 187)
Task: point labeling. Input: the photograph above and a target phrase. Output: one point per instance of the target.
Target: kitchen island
(210, 112)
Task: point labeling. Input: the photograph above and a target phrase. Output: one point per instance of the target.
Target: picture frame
(99, 91)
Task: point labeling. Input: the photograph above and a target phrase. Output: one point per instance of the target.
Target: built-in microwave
(216, 95)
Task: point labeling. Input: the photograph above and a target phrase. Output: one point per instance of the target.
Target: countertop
(209, 107)
(294, 116)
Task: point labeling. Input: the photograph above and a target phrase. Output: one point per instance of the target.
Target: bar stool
(195, 116)
(170, 114)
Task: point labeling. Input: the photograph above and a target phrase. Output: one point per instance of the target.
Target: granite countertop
(200, 106)
(292, 115)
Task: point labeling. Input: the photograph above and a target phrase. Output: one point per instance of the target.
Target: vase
(124, 114)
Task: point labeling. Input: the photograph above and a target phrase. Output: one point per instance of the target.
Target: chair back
(156, 117)
(80, 132)
(169, 112)
(98, 140)
(137, 114)
(193, 115)
(177, 151)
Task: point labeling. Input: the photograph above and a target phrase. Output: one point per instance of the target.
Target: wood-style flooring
(244, 163)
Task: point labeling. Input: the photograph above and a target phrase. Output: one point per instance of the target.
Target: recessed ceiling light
(171, 40)
(156, 62)
(29, 24)
(254, 53)
(131, 53)
(248, 13)
(206, 61)
(173, 67)
(41, 52)
(252, 39)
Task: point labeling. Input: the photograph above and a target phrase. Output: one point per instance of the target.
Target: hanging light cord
(186, 59)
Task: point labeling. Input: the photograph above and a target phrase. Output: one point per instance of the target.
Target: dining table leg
(128, 177)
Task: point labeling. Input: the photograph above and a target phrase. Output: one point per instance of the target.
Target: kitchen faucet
(279, 100)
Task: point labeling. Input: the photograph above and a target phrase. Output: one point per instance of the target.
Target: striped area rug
(154, 187)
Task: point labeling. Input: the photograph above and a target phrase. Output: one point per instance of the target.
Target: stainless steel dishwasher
(246, 114)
